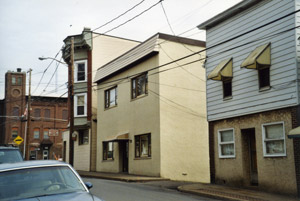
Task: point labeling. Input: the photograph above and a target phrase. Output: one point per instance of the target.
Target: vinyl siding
(247, 98)
(297, 35)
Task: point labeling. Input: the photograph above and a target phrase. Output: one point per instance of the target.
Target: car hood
(67, 197)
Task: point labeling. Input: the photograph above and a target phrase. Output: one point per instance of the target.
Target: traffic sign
(18, 140)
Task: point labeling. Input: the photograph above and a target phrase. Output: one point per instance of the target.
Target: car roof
(30, 164)
(4, 147)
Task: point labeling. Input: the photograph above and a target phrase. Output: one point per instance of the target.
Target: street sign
(18, 140)
(53, 132)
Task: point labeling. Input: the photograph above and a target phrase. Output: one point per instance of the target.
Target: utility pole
(26, 143)
(71, 105)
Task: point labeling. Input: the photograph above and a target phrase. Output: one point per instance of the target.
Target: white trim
(264, 139)
(85, 105)
(223, 143)
(76, 70)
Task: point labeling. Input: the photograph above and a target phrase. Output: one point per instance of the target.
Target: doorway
(249, 155)
(123, 145)
(45, 154)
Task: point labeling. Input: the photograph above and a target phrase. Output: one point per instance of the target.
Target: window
(274, 139)
(83, 137)
(36, 133)
(15, 111)
(14, 133)
(46, 133)
(47, 114)
(264, 78)
(65, 114)
(108, 150)
(139, 86)
(19, 81)
(37, 112)
(226, 143)
(227, 88)
(13, 80)
(80, 105)
(111, 97)
(80, 71)
(33, 155)
(143, 146)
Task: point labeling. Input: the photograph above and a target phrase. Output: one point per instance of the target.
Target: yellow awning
(261, 55)
(223, 70)
(116, 138)
(294, 133)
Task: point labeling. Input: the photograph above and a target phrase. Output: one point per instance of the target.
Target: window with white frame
(80, 105)
(273, 139)
(80, 71)
(226, 143)
(111, 97)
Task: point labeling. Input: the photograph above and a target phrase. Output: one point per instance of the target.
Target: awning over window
(261, 55)
(120, 137)
(222, 71)
(294, 133)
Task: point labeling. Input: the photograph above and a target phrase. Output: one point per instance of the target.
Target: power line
(128, 20)
(51, 77)
(110, 21)
(46, 70)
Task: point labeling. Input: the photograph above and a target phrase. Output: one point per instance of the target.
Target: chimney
(19, 70)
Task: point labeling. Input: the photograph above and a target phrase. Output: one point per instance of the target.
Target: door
(249, 156)
(45, 155)
(124, 155)
(253, 159)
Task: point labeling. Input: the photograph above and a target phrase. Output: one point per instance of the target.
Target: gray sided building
(253, 95)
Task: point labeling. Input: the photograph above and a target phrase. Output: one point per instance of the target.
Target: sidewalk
(231, 193)
(119, 176)
(207, 190)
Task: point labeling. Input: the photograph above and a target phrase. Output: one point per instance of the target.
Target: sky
(30, 29)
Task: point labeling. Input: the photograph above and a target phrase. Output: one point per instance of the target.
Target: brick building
(49, 117)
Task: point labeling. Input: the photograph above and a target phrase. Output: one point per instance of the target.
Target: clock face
(16, 92)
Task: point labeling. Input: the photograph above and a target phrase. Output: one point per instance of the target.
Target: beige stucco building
(151, 116)
(91, 50)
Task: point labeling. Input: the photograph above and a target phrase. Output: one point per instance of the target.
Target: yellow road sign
(18, 140)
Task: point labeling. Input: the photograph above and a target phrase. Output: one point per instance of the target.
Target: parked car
(42, 180)
(9, 154)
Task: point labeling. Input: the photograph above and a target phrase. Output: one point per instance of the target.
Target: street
(151, 191)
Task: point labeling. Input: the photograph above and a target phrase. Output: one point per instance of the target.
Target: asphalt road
(151, 191)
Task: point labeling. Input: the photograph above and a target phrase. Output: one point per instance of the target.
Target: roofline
(184, 40)
(117, 37)
(77, 35)
(103, 66)
(232, 11)
(187, 41)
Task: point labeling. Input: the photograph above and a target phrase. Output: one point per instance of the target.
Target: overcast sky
(33, 28)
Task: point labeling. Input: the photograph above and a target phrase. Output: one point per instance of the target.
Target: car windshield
(34, 182)
(10, 156)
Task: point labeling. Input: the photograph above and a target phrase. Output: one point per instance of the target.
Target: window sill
(108, 160)
(108, 108)
(227, 98)
(226, 157)
(83, 144)
(275, 156)
(80, 115)
(83, 81)
(264, 88)
(139, 97)
(143, 158)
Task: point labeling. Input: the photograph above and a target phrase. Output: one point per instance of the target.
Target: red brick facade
(48, 114)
